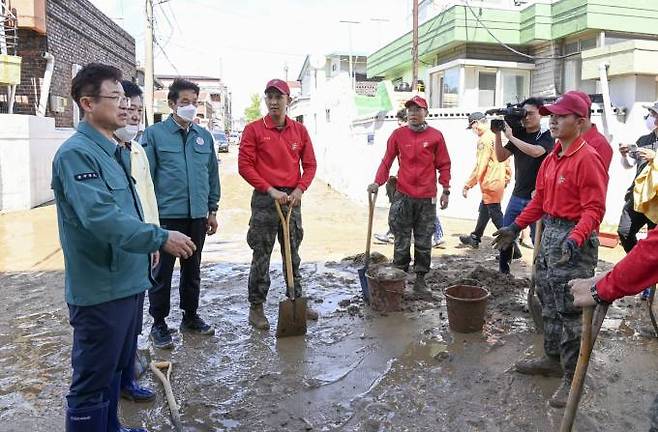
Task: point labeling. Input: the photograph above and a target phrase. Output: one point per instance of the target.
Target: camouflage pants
(415, 216)
(653, 416)
(264, 228)
(562, 320)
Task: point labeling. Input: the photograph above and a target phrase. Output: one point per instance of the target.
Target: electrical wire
(155, 40)
(504, 45)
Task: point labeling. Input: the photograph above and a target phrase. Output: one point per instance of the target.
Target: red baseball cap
(568, 103)
(416, 100)
(584, 96)
(278, 84)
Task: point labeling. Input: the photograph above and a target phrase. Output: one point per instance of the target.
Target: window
(450, 88)
(516, 86)
(486, 88)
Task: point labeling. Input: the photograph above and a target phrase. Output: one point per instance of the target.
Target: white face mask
(187, 112)
(127, 133)
(650, 122)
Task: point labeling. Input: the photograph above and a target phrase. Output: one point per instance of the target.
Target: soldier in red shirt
(570, 197)
(271, 152)
(421, 151)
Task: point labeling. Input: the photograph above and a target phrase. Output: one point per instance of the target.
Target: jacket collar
(108, 146)
(174, 127)
(269, 123)
(578, 144)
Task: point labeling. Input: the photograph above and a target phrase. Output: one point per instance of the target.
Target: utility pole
(349, 35)
(414, 47)
(148, 64)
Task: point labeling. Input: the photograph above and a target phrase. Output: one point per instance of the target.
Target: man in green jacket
(106, 248)
(184, 169)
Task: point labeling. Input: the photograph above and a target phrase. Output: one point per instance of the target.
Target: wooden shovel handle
(287, 253)
(372, 198)
(166, 383)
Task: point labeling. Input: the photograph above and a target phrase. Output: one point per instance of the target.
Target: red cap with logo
(584, 96)
(416, 100)
(278, 84)
(568, 103)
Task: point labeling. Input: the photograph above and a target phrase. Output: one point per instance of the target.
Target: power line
(504, 45)
(155, 39)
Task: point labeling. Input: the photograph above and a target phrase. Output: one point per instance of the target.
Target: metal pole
(414, 47)
(148, 64)
(349, 35)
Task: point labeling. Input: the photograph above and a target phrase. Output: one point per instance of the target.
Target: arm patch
(86, 176)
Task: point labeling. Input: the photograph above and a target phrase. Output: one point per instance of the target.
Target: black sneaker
(469, 240)
(194, 323)
(161, 336)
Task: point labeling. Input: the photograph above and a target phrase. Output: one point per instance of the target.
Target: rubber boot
(113, 423)
(257, 317)
(420, 287)
(88, 419)
(561, 395)
(546, 366)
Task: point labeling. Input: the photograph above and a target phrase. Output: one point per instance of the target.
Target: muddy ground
(356, 370)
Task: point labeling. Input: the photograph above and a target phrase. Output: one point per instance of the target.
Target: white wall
(27, 147)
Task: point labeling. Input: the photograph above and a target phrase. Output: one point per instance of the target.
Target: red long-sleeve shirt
(597, 140)
(572, 187)
(270, 157)
(419, 155)
(638, 270)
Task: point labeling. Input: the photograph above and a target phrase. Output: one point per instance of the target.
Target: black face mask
(418, 128)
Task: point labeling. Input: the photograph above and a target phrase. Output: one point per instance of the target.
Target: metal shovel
(372, 197)
(592, 321)
(292, 311)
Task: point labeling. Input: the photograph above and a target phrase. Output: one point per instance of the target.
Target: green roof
(534, 23)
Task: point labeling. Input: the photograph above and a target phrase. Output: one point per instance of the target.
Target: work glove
(504, 237)
(373, 188)
(570, 252)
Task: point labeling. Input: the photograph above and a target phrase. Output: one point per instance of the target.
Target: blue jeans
(514, 208)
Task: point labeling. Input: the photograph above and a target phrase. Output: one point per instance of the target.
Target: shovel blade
(364, 285)
(292, 318)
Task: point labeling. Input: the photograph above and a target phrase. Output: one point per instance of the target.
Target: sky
(248, 42)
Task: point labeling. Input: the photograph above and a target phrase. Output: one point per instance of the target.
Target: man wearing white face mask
(183, 166)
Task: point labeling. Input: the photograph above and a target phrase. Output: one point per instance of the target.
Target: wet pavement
(356, 370)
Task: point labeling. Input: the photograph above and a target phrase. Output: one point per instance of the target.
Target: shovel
(292, 311)
(534, 306)
(372, 197)
(592, 321)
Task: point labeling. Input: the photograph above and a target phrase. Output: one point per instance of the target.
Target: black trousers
(630, 223)
(487, 212)
(190, 271)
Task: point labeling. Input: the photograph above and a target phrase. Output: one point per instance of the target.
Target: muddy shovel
(592, 321)
(372, 197)
(534, 307)
(292, 311)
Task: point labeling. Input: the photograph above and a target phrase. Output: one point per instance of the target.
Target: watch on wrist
(446, 191)
(595, 295)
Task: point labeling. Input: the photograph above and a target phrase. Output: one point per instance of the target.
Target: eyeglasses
(120, 101)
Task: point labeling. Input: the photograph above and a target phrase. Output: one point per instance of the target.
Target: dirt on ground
(356, 369)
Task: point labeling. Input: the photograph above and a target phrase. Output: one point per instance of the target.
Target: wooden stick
(171, 400)
(652, 295)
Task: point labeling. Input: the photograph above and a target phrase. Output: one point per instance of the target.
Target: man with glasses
(184, 169)
(642, 154)
(136, 162)
(277, 159)
(421, 151)
(529, 145)
(107, 249)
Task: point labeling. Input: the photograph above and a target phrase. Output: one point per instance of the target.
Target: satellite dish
(317, 61)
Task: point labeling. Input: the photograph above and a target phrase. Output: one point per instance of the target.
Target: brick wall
(31, 46)
(76, 33)
(547, 75)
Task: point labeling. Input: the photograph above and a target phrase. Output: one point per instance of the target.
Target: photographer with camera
(529, 145)
(637, 155)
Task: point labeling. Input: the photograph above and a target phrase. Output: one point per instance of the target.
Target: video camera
(512, 114)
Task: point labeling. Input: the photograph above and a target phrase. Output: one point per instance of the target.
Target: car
(234, 138)
(221, 141)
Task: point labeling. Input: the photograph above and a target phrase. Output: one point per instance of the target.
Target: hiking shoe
(161, 337)
(561, 395)
(311, 314)
(195, 324)
(545, 366)
(469, 240)
(440, 243)
(385, 238)
(257, 317)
